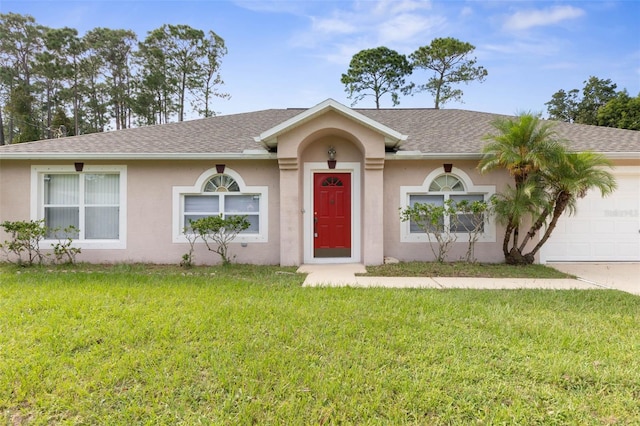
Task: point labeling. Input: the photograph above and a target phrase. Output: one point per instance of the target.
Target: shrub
(464, 217)
(25, 241)
(217, 232)
(471, 217)
(24, 246)
(63, 250)
(430, 219)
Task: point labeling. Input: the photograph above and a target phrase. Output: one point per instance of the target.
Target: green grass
(463, 269)
(248, 345)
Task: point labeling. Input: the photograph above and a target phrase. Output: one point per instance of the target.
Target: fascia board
(136, 156)
(419, 155)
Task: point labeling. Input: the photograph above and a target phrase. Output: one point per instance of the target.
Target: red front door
(332, 215)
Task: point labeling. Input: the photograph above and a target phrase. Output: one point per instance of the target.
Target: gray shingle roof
(429, 131)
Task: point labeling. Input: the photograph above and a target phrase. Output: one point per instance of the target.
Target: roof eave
(419, 155)
(246, 155)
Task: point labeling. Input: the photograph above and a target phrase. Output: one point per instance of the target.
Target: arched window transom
(446, 183)
(221, 183)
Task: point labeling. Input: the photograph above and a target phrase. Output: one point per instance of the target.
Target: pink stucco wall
(150, 184)
(149, 208)
(413, 173)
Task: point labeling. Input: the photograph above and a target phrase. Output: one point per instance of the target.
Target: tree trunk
(515, 257)
(49, 134)
(542, 219)
(1, 128)
(505, 241)
(561, 204)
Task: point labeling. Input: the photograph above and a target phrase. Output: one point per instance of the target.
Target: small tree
(63, 250)
(217, 232)
(25, 241)
(187, 258)
(470, 218)
(430, 219)
(380, 70)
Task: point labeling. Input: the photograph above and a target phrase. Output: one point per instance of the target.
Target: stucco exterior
(384, 166)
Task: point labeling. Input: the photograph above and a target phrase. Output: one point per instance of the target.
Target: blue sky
(291, 53)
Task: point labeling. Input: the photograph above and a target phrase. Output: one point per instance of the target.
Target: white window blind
(89, 202)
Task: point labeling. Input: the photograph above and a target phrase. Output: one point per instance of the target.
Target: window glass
(227, 201)
(469, 197)
(451, 188)
(102, 189)
(97, 196)
(254, 224)
(201, 203)
(221, 183)
(242, 203)
(446, 183)
(438, 200)
(60, 218)
(102, 223)
(467, 222)
(192, 217)
(61, 189)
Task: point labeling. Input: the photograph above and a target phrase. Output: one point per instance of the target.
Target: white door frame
(307, 213)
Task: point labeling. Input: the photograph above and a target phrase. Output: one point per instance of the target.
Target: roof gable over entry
(269, 138)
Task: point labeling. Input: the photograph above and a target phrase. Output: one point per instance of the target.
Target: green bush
(216, 232)
(23, 247)
(24, 244)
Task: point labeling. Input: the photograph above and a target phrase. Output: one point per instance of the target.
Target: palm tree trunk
(542, 219)
(505, 241)
(561, 204)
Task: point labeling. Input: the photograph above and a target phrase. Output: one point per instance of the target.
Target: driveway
(620, 276)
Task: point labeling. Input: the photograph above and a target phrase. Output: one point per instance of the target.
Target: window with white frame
(90, 201)
(440, 188)
(225, 195)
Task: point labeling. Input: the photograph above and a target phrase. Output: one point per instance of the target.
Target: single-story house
(318, 185)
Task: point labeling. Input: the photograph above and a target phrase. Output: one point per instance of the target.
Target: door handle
(315, 224)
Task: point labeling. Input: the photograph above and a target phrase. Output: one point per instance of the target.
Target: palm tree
(548, 180)
(523, 147)
(571, 180)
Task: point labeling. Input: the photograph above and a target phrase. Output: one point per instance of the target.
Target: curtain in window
(102, 210)
(437, 200)
(467, 222)
(61, 203)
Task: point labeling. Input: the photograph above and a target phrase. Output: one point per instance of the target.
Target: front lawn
(249, 345)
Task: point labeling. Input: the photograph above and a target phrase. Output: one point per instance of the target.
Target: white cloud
(523, 20)
(392, 7)
(396, 24)
(407, 26)
(466, 11)
(520, 48)
(332, 26)
(560, 66)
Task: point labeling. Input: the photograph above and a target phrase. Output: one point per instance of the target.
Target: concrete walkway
(623, 276)
(344, 275)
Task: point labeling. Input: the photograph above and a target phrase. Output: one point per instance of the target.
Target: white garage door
(603, 229)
